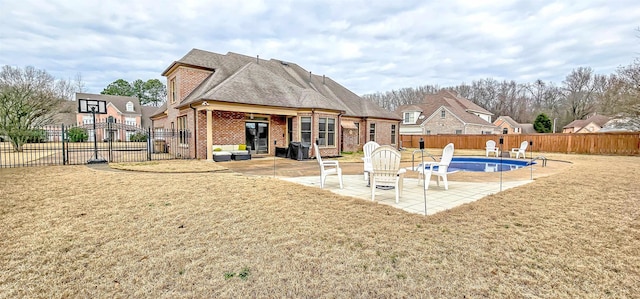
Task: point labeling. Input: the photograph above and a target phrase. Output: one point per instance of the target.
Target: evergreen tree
(542, 124)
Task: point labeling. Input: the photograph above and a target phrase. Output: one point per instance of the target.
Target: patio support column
(209, 135)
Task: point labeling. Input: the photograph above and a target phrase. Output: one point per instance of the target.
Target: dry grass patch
(76, 232)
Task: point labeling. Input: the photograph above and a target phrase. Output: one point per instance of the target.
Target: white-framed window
(428, 132)
(130, 121)
(443, 113)
(409, 118)
(172, 90)
(393, 134)
(182, 129)
(327, 131)
(458, 132)
(87, 119)
(129, 107)
(372, 132)
(305, 129)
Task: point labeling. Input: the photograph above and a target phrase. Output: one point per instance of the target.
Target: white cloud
(366, 45)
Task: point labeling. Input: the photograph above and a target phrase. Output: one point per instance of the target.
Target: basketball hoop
(92, 106)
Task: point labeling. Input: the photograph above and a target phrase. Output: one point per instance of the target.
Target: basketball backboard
(92, 106)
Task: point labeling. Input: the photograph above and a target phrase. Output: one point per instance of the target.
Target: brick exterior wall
(383, 131)
(186, 80)
(350, 140)
(277, 132)
(228, 127)
(447, 125)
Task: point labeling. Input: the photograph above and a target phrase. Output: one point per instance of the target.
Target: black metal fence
(76, 145)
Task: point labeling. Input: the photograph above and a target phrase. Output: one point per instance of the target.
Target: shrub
(36, 136)
(138, 137)
(77, 134)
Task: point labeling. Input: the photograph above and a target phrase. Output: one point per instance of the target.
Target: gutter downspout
(339, 125)
(195, 135)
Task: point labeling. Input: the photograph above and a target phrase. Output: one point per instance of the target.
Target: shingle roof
(509, 120)
(459, 106)
(238, 78)
(597, 119)
(527, 128)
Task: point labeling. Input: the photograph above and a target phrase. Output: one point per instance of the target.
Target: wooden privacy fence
(627, 143)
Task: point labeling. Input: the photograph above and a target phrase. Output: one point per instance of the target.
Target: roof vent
(283, 63)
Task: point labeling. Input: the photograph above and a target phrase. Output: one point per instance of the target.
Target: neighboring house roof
(147, 112)
(525, 128)
(459, 106)
(507, 119)
(159, 111)
(622, 124)
(599, 120)
(242, 79)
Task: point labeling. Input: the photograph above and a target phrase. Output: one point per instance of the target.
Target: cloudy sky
(366, 45)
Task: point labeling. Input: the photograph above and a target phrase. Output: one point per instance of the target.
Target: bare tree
(29, 98)
(580, 93)
(624, 95)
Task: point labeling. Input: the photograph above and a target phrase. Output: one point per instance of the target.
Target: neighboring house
(622, 124)
(127, 115)
(590, 125)
(445, 113)
(507, 125)
(236, 99)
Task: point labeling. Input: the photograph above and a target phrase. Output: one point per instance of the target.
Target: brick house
(445, 113)
(507, 125)
(237, 99)
(590, 125)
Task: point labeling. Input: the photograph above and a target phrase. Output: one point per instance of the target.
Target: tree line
(581, 94)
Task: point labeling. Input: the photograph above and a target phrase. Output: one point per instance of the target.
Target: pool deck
(413, 195)
(464, 187)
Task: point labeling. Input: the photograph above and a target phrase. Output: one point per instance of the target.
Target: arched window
(129, 107)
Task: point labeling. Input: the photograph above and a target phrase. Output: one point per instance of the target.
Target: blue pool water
(478, 164)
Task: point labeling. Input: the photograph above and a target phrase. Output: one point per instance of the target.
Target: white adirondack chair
(521, 150)
(491, 148)
(442, 168)
(327, 167)
(368, 148)
(385, 170)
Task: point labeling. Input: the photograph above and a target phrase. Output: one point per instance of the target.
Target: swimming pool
(479, 164)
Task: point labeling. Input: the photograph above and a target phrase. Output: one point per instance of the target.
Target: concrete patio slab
(413, 195)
